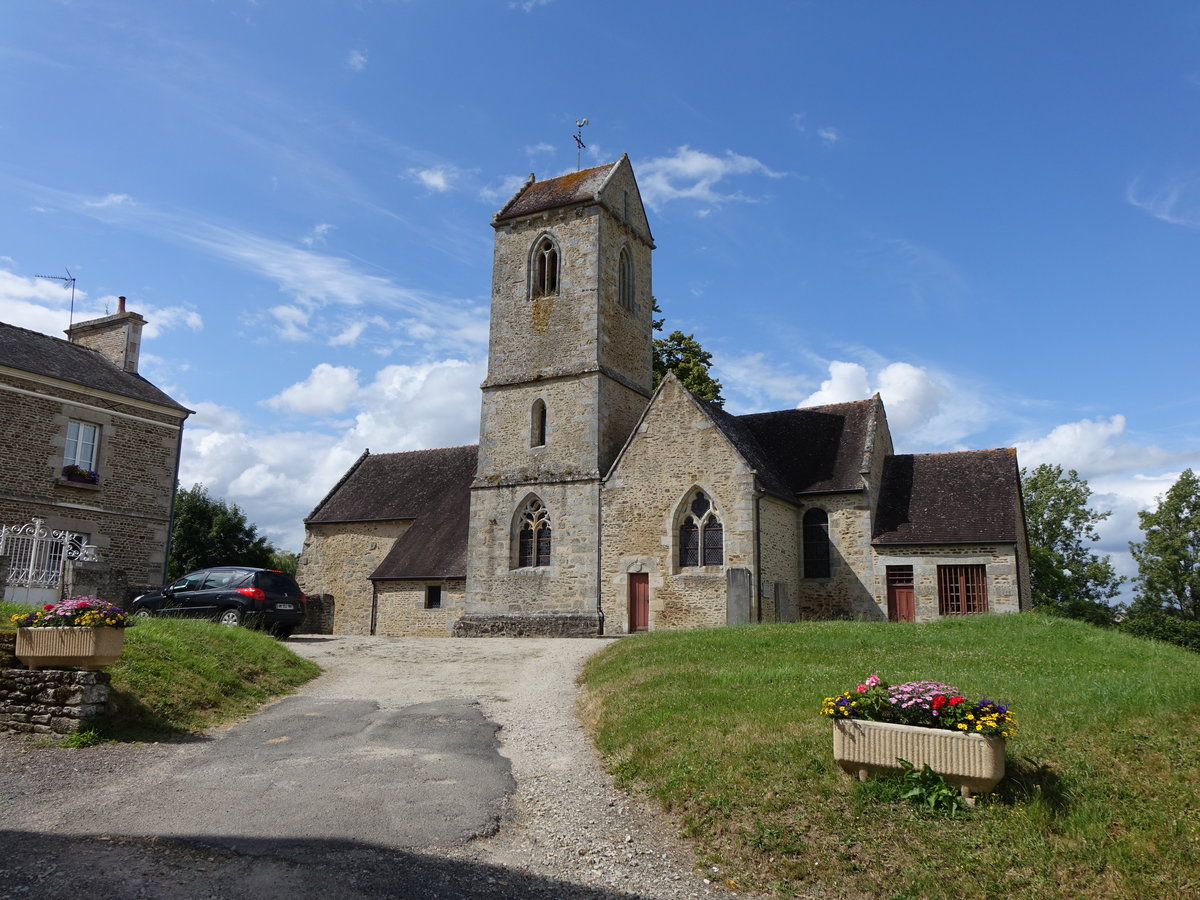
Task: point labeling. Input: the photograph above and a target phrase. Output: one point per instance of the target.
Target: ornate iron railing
(36, 554)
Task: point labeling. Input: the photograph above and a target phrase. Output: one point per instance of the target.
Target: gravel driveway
(543, 821)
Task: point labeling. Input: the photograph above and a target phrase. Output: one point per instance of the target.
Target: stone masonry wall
(401, 612)
(676, 449)
(50, 701)
(1002, 574)
(496, 587)
(847, 593)
(126, 514)
(779, 559)
(338, 560)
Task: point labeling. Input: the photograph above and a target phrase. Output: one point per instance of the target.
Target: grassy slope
(177, 676)
(1102, 794)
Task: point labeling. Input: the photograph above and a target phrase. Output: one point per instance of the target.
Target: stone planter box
(84, 648)
(971, 761)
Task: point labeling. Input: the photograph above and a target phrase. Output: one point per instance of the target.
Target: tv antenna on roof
(579, 144)
(69, 281)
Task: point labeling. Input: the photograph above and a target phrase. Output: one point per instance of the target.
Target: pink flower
(873, 680)
(862, 688)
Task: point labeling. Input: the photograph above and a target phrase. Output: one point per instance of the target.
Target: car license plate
(284, 606)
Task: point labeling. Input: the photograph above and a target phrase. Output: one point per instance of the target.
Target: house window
(816, 544)
(433, 596)
(537, 424)
(82, 440)
(962, 590)
(701, 537)
(625, 280)
(544, 268)
(533, 538)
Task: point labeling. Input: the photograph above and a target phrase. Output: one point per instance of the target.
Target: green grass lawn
(178, 676)
(1101, 799)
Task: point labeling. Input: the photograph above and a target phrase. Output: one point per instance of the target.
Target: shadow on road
(50, 867)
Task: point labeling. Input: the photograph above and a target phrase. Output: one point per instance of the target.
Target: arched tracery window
(544, 268)
(701, 537)
(533, 537)
(537, 424)
(625, 279)
(816, 544)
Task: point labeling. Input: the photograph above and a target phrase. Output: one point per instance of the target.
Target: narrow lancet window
(544, 268)
(537, 424)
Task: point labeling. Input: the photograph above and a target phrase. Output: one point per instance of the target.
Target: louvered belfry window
(962, 590)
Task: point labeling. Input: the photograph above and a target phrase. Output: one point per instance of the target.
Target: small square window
(433, 596)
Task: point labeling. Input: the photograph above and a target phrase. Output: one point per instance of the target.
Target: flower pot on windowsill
(73, 647)
(971, 761)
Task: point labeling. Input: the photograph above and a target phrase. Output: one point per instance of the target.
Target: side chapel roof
(430, 487)
(51, 357)
(816, 449)
(972, 496)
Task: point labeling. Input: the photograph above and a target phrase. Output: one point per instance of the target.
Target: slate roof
(565, 190)
(51, 357)
(431, 487)
(969, 497)
(817, 449)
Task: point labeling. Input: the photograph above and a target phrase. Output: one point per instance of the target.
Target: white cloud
(317, 235)
(160, 319)
(349, 336)
(1095, 447)
(924, 412)
(327, 390)
(529, 5)
(829, 135)
(437, 179)
(109, 200)
(539, 149)
(292, 322)
(357, 60)
(1176, 201)
(278, 477)
(694, 174)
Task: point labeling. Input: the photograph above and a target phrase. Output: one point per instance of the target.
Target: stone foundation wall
(49, 701)
(528, 626)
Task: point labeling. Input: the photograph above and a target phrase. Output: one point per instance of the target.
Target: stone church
(594, 504)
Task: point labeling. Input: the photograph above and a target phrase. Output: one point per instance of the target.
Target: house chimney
(118, 338)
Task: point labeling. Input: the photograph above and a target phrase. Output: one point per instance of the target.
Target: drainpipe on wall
(758, 582)
(171, 510)
(599, 553)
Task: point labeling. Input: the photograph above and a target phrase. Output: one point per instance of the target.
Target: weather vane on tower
(579, 144)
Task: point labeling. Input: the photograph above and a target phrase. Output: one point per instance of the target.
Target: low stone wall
(581, 625)
(49, 701)
(318, 615)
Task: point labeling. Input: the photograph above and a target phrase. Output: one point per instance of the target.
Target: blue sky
(988, 212)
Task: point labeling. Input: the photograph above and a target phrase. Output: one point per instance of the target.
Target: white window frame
(74, 452)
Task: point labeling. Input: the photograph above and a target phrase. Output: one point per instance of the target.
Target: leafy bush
(1160, 626)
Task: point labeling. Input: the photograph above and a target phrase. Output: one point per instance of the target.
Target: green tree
(285, 561)
(210, 532)
(1168, 559)
(682, 354)
(1067, 578)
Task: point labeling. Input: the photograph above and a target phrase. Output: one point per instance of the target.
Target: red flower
(48, 606)
(939, 701)
(954, 701)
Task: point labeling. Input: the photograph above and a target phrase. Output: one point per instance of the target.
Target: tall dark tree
(682, 354)
(1168, 558)
(210, 532)
(1068, 578)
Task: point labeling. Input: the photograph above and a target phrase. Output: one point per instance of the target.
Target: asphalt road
(324, 794)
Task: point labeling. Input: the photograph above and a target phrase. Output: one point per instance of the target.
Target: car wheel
(143, 613)
(283, 632)
(230, 617)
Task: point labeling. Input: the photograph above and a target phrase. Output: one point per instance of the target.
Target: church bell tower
(569, 374)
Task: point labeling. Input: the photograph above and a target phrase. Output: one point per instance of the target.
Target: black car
(232, 595)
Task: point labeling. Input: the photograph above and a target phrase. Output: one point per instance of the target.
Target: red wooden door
(639, 601)
(901, 595)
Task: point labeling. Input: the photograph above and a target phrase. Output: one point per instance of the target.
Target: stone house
(593, 504)
(90, 448)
